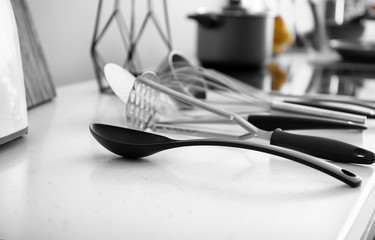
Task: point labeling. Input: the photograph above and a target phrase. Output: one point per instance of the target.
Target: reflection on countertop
(304, 72)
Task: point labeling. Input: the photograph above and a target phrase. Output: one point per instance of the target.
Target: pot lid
(234, 8)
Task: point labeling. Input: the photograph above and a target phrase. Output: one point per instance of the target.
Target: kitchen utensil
(336, 106)
(172, 66)
(234, 37)
(177, 72)
(195, 129)
(131, 143)
(13, 108)
(266, 122)
(286, 122)
(140, 110)
(345, 103)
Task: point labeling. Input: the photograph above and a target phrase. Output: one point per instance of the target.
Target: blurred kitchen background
(65, 30)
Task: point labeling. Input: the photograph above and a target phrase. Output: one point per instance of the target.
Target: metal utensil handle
(190, 100)
(279, 105)
(326, 167)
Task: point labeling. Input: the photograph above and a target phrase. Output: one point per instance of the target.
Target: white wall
(65, 30)
(66, 27)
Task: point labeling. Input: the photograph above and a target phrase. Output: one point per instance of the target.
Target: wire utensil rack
(130, 36)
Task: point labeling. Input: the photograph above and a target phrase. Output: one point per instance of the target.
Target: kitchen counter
(57, 182)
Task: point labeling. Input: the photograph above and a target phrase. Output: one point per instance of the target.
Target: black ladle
(131, 143)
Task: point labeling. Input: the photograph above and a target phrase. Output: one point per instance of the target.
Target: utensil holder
(130, 37)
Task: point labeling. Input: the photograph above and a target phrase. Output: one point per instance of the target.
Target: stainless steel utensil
(140, 110)
(177, 72)
(263, 121)
(271, 122)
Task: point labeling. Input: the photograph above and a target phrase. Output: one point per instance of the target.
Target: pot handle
(207, 20)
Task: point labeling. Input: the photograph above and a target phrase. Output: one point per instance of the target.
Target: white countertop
(57, 182)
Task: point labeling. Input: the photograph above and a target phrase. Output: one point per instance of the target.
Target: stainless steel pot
(234, 38)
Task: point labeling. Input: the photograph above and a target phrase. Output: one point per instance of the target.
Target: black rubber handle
(323, 147)
(272, 122)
